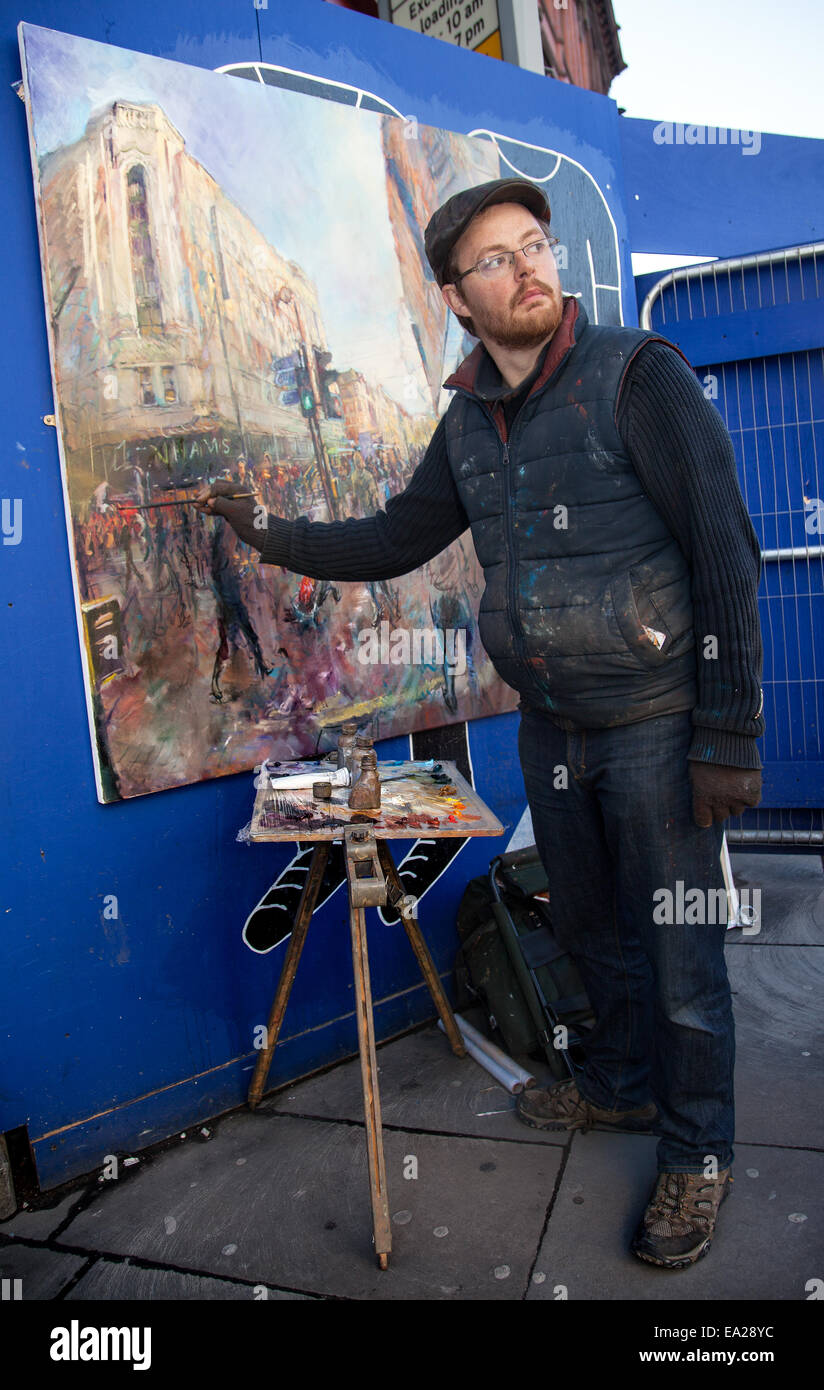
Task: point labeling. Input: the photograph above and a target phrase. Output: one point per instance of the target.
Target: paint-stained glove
(245, 515)
(719, 792)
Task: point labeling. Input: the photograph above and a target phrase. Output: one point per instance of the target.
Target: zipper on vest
(513, 564)
(519, 641)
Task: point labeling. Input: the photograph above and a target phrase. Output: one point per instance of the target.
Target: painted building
(358, 411)
(372, 417)
(179, 302)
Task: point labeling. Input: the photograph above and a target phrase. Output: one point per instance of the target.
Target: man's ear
(452, 298)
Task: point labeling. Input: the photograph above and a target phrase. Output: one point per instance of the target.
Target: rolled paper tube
(337, 778)
(501, 1074)
(491, 1048)
(492, 1058)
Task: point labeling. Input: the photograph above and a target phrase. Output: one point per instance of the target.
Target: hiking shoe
(679, 1223)
(563, 1107)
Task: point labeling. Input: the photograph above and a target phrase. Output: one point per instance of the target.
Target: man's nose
(523, 265)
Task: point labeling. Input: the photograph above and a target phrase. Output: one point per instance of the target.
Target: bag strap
(488, 928)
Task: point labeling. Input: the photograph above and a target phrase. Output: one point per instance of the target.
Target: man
(621, 571)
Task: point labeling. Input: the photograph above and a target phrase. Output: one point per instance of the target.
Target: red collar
(561, 341)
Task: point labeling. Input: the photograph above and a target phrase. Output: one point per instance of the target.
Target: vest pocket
(644, 630)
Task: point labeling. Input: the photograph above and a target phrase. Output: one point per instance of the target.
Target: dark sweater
(684, 459)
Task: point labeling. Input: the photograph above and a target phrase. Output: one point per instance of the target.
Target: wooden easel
(372, 880)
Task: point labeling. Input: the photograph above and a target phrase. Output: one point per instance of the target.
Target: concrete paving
(275, 1204)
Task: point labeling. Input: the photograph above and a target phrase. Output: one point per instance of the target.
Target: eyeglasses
(491, 267)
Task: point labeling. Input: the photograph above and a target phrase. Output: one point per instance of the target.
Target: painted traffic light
(327, 379)
(306, 394)
(292, 379)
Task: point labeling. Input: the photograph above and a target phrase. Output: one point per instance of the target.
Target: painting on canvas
(236, 288)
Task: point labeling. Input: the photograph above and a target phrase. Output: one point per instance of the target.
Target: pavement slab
(792, 897)
(40, 1222)
(779, 1029)
(285, 1201)
(768, 1240)
(119, 1281)
(43, 1273)
(423, 1086)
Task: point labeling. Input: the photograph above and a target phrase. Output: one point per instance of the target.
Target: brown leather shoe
(679, 1223)
(563, 1107)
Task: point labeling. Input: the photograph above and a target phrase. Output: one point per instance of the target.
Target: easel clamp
(367, 884)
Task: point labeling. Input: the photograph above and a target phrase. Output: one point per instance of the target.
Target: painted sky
(290, 162)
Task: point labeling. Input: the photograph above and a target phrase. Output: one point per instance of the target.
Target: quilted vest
(587, 609)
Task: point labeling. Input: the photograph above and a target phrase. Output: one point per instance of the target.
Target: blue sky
(742, 64)
(748, 64)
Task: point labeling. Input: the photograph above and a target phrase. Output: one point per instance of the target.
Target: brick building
(578, 38)
(580, 42)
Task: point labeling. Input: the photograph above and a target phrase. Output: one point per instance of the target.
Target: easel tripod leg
(419, 946)
(309, 897)
(371, 1095)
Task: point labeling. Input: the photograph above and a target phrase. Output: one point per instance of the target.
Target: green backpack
(510, 959)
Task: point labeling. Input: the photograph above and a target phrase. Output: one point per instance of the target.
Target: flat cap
(450, 222)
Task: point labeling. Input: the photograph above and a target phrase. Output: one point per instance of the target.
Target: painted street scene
(214, 315)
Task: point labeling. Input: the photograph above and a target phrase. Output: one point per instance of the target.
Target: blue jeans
(613, 831)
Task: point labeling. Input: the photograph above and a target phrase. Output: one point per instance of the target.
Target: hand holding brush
(244, 514)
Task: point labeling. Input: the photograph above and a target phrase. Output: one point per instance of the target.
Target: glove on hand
(245, 515)
(719, 792)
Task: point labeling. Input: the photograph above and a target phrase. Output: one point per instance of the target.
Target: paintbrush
(179, 502)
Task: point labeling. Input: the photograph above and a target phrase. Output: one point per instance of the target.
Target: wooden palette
(417, 798)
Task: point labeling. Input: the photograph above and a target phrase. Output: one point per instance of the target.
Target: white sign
(466, 22)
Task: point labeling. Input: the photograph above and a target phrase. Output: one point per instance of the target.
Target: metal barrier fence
(756, 326)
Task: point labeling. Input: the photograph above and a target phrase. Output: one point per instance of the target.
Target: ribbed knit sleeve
(684, 458)
(413, 527)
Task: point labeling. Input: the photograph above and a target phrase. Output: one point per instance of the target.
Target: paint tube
(338, 778)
